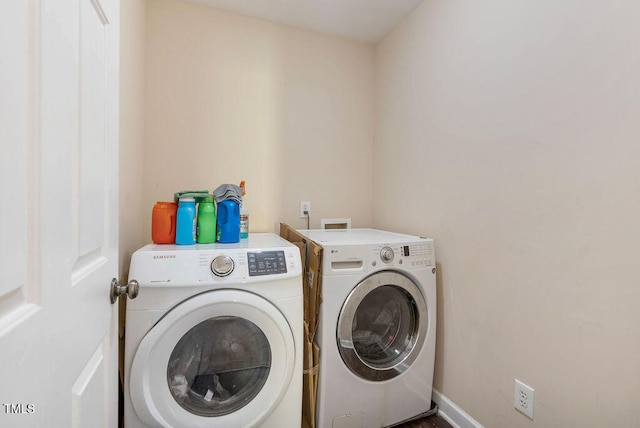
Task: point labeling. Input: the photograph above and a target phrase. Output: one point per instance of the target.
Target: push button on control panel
(422, 262)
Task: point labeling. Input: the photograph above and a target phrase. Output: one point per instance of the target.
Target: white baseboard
(453, 414)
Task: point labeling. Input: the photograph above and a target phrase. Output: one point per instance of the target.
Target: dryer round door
(382, 326)
(220, 359)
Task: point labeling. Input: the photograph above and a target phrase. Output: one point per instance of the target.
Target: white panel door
(58, 217)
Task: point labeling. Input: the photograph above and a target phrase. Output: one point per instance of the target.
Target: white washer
(214, 337)
(377, 327)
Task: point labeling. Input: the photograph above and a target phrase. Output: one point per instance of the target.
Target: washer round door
(220, 359)
(382, 326)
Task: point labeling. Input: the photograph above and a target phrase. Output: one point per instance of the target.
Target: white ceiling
(362, 20)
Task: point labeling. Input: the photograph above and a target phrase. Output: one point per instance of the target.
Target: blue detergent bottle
(228, 220)
(186, 222)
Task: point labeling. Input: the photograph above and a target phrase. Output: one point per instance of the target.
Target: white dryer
(377, 327)
(214, 337)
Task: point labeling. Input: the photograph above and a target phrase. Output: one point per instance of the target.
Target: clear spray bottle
(244, 214)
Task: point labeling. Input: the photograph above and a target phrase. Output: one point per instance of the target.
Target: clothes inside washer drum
(219, 366)
(382, 327)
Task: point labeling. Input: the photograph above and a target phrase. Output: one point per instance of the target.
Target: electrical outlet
(523, 398)
(305, 206)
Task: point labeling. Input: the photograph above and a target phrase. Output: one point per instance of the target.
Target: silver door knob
(131, 289)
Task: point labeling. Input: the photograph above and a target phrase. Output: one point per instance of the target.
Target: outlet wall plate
(523, 398)
(305, 206)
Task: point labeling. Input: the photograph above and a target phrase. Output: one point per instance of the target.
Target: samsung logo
(169, 256)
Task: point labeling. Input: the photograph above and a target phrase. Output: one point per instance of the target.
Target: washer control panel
(259, 263)
(266, 263)
(413, 255)
(350, 259)
(174, 266)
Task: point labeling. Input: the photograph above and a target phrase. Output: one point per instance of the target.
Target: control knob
(386, 254)
(222, 265)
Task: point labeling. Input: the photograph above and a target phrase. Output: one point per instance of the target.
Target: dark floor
(434, 421)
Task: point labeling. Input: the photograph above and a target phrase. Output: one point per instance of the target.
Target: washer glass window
(219, 366)
(382, 326)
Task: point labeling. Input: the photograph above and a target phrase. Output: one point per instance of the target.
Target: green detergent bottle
(206, 221)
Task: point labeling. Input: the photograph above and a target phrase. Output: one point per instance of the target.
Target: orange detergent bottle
(163, 223)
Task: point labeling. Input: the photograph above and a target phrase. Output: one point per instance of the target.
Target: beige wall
(509, 132)
(232, 98)
(132, 235)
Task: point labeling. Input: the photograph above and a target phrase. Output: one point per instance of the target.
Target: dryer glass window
(384, 327)
(219, 366)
